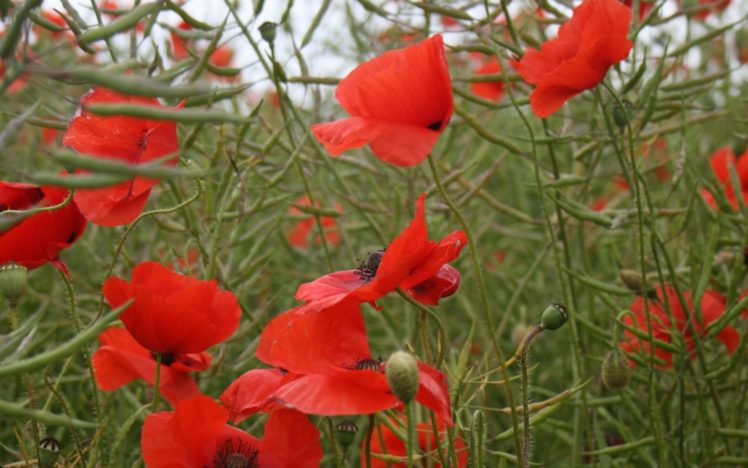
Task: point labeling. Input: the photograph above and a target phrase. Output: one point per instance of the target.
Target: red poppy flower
(644, 7)
(491, 90)
(656, 150)
(299, 235)
(327, 367)
(129, 139)
(39, 238)
(705, 7)
(179, 43)
(411, 262)
(586, 47)
(384, 441)
(195, 435)
(399, 103)
(120, 360)
(18, 84)
(57, 19)
(173, 314)
(720, 162)
(712, 307)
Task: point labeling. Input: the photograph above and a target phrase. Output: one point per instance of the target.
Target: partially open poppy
(384, 441)
(132, 140)
(195, 435)
(712, 307)
(299, 235)
(399, 103)
(173, 314)
(411, 262)
(586, 47)
(39, 238)
(121, 359)
(327, 367)
(720, 162)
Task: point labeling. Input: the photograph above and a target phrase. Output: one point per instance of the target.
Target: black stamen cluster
(367, 269)
(235, 453)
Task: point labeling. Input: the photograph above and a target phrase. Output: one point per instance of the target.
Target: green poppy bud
(267, 31)
(49, 449)
(554, 316)
(13, 279)
(402, 374)
(346, 431)
(622, 113)
(616, 372)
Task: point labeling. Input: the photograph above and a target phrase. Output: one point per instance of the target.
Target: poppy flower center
(235, 453)
(367, 269)
(369, 364)
(435, 126)
(167, 359)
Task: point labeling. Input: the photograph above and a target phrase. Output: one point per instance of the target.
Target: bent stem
(525, 394)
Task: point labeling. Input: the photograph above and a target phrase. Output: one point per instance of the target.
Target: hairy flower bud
(346, 431)
(402, 374)
(616, 372)
(13, 280)
(554, 316)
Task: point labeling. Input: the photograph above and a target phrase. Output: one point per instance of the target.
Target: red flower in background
(586, 47)
(399, 103)
(644, 7)
(179, 43)
(657, 150)
(39, 238)
(720, 162)
(327, 367)
(128, 139)
(411, 262)
(121, 359)
(195, 435)
(58, 20)
(705, 7)
(299, 235)
(491, 90)
(712, 307)
(173, 314)
(389, 443)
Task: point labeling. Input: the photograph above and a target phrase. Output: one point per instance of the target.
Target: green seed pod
(267, 31)
(402, 374)
(622, 113)
(13, 279)
(616, 372)
(346, 431)
(554, 316)
(49, 449)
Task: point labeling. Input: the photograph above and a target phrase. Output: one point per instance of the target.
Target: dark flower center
(435, 126)
(167, 359)
(235, 453)
(369, 364)
(367, 269)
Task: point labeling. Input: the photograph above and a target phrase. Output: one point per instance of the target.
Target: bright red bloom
(644, 7)
(327, 367)
(120, 360)
(389, 443)
(706, 7)
(173, 314)
(299, 235)
(411, 262)
(720, 162)
(586, 47)
(222, 56)
(399, 103)
(180, 44)
(128, 139)
(491, 90)
(195, 435)
(57, 19)
(712, 307)
(39, 238)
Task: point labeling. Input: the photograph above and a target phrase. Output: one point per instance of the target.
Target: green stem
(337, 456)
(411, 438)
(525, 462)
(156, 382)
(367, 447)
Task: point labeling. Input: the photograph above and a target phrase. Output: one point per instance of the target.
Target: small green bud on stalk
(13, 280)
(402, 374)
(49, 449)
(346, 431)
(622, 113)
(554, 317)
(267, 31)
(616, 372)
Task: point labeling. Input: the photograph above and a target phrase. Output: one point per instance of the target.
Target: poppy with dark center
(722, 162)
(327, 368)
(121, 360)
(39, 238)
(411, 262)
(299, 235)
(399, 104)
(593, 40)
(132, 140)
(386, 442)
(195, 435)
(173, 314)
(713, 305)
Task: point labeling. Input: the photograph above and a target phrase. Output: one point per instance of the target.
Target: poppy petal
(252, 392)
(290, 440)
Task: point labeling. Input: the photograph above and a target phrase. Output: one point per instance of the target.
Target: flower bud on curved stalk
(402, 374)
